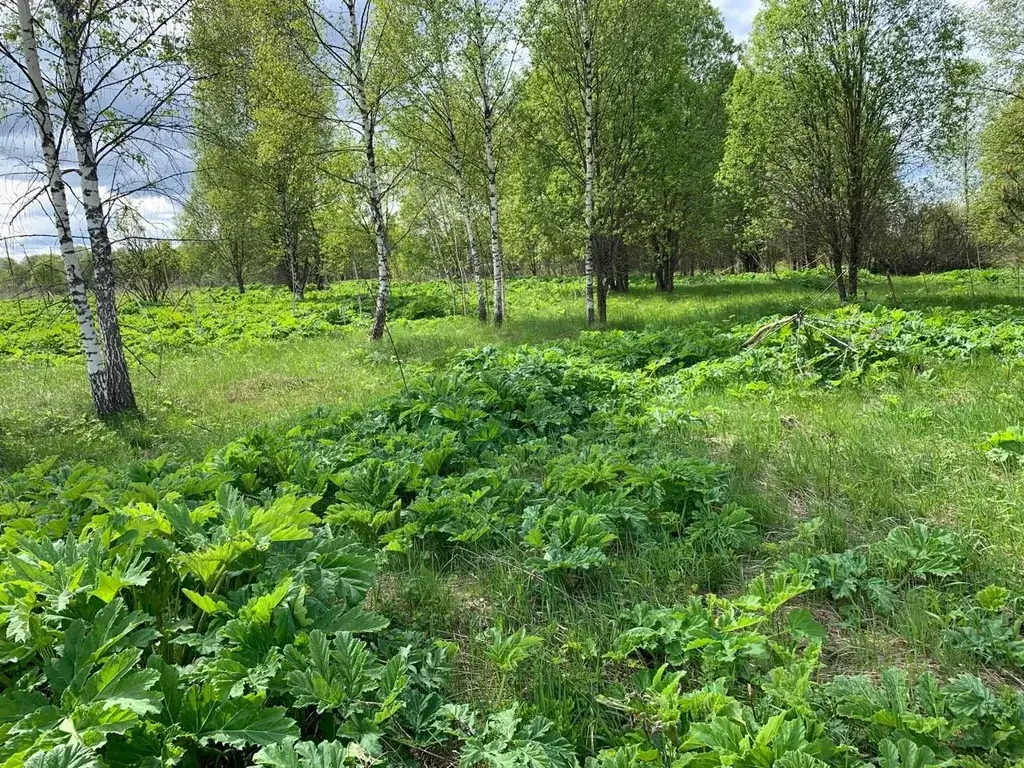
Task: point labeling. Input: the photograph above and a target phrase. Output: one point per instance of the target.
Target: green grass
(197, 398)
(822, 470)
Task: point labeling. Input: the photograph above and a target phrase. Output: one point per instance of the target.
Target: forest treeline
(479, 139)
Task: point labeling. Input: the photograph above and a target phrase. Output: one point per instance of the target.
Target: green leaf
(506, 742)
(206, 603)
(109, 584)
(356, 620)
(993, 598)
(802, 624)
(967, 696)
(799, 760)
(112, 628)
(904, 754)
(237, 722)
(287, 519)
(327, 677)
(119, 683)
(209, 561)
(509, 651)
(260, 609)
(304, 754)
(66, 756)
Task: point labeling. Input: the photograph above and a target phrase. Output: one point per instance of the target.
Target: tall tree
(435, 118)
(262, 134)
(836, 100)
(349, 40)
(73, 30)
(113, 76)
(623, 109)
(1002, 160)
(492, 59)
(94, 361)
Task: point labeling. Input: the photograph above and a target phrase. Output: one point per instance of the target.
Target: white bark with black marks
(589, 152)
(374, 197)
(120, 396)
(487, 108)
(62, 218)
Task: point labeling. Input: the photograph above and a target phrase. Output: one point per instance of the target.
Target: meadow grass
(197, 400)
(901, 445)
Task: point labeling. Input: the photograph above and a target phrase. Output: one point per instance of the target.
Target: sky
(738, 15)
(149, 157)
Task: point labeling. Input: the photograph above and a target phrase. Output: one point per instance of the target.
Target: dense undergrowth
(526, 558)
(38, 331)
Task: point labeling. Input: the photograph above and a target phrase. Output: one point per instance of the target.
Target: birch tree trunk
(497, 259)
(120, 396)
(58, 196)
(588, 117)
(467, 211)
(368, 125)
(492, 168)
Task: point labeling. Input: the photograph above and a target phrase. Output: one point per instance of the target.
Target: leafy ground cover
(34, 330)
(634, 548)
(217, 611)
(196, 398)
(38, 331)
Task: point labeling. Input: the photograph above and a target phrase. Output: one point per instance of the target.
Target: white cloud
(738, 15)
(26, 218)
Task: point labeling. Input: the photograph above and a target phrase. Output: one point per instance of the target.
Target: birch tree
(434, 120)
(585, 22)
(349, 41)
(94, 361)
(112, 75)
(72, 26)
(566, 43)
(625, 99)
(492, 60)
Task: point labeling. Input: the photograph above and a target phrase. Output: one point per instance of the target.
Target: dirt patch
(798, 508)
(468, 595)
(257, 388)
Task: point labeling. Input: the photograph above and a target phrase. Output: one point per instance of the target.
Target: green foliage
(733, 639)
(32, 331)
(508, 651)
(504, 740)
(1005, 447)
(224, 610)
(246, 615)
(792, 168)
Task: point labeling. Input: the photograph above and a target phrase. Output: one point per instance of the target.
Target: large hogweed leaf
(65, 756)
(305, 754)
(95, 682)
(905, 754)
(504, 740)
(217, 534)
(566, 538)
(343, 676)
(922, 551)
